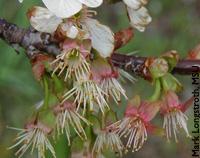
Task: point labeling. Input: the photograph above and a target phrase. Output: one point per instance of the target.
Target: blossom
(66, 117)
(81, 27)
(34, 136)
(139, 18)
(86, 91)
(174, 117)
(106, 77)
(107, 139)
(67, 8)
(73, 59)
(138, 14)
(136, 123)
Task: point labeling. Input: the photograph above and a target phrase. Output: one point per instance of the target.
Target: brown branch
(33, 42)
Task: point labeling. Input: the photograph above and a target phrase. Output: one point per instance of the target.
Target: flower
(68, 8)
(73, 59)
(138, 14)
(34, 136)
(174, 118)
(82, 27)
(86, 91)
(136, 123)
(107, 139)
(66, 117)
(107, 77)
(139, 18)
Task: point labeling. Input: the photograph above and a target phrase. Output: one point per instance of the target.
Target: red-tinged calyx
(101, 70)
(67, 105)
(38, 65)
(83, 46)
(146, 110)
(73, 59)
(38, 125)
(172, 103)
(194, 53)
(187, 104)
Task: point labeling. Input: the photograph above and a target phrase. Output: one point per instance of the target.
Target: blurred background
(176, 25)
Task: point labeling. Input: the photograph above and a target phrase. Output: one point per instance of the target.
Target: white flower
(173, 121)
(68, 8)
(33, 136)
(138, 14)
(139, 18)
(66, 117)
(82, 27)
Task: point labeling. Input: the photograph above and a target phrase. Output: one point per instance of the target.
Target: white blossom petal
(102, 37)
(139, 18)
(92, 3)
(135, 4)
(71, 30)
(63, 8)
(43, 20)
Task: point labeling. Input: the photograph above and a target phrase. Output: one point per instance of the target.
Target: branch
(33, 42)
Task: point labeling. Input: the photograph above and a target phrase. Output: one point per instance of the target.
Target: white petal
(139, 18)
(134, 4)
(102, 37)
(71, 30)
(43, 20)
(92, 3)
(63, 8)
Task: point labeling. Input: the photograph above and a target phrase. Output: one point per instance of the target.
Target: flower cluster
(83, 82)
(87, 83)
